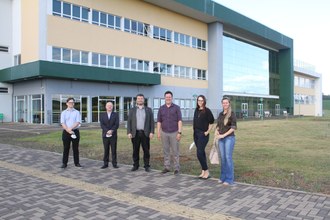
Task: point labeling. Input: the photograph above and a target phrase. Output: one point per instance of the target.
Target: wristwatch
(179, 132)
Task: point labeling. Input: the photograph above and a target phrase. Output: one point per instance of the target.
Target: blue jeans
(226, 146)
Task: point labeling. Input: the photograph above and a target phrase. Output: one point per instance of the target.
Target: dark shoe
(64, 166)
(78, 165)
(176, 172)
(115, 166)
(134, 168)
(104, 166)
(147, 169)
(165, 170)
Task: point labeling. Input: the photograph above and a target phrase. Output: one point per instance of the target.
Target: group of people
(141, 128)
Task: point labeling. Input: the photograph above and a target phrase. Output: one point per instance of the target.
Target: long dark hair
(204, 103)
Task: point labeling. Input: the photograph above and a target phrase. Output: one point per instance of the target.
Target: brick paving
(32, 186)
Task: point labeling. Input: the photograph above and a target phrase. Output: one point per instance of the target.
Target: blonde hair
(228, 114)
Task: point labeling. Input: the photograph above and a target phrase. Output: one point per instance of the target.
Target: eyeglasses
(71, 102)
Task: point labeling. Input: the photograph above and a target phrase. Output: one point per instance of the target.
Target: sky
(306, 22)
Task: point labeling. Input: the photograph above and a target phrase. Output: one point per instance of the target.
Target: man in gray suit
(140, 129)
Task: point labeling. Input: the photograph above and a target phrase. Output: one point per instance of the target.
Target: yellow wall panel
(136, 10)
(171, 81)
(305, 91)
(30, 31)
(307, 110)
(83, 36)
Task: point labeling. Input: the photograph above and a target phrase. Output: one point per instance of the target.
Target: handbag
(214, 155)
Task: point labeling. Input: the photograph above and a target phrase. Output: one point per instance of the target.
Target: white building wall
(6, 58)
(318, 97)
(16, 28)
(6, 33)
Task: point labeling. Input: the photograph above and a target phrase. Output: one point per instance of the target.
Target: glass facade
(248, 69)
(247, 107)
(245, 68)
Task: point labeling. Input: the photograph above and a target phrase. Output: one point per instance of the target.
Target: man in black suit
(140, 128)
(109, 121)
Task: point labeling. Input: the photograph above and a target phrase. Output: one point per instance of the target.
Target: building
(100, 50)
(307, 90)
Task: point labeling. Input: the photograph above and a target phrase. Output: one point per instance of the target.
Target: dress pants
(67, 139)
(201, 142)
(141, 139)
(170, 144)
(107, 143)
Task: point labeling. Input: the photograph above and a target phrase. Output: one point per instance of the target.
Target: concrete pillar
(215, 67)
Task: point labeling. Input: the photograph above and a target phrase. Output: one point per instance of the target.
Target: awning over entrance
(45, 69)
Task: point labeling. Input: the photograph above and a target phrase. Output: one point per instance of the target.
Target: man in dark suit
(109, 122)
(140, 128)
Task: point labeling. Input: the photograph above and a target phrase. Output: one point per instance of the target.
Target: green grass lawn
(288, 153)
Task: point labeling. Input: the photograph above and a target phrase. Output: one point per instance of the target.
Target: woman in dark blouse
(226, 126)
(203, 120)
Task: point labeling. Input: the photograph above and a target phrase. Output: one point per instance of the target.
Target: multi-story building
(101, 50)
(307, 90)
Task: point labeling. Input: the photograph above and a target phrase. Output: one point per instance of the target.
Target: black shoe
(165, 170)
(147, 169)
(64, 166)
(115, 166)
(176, 172)
(134, 168)
(104, 166)
(78, 165)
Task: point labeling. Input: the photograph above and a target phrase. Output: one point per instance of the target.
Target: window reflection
(246, 67)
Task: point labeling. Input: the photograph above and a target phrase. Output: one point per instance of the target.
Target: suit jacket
(109, 124)
(149, 123)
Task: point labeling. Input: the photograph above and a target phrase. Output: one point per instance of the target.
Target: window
(95, 17)
(70, 11)
(136, 27)
(66, 55)
(84, 14)
(126, 63)
(201, 74)
(110, 61)
(111, 21)
(143, 65)
(66, 10)
(4, 49)
(103, 19)
(75, 56)
(176, 71)
(194, 42)
(84, 57)
(57, 8)
(127, 25)
(103, 60)
(133, 64)
(162, 34)
(3, 90)
(162, 68)
(95, 59)
(117, 19)
(194, 73)
(117, 62)
(76, 12)
(57, 54)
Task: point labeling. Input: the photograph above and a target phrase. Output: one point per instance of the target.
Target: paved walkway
(32, 186)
